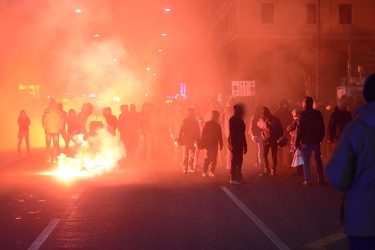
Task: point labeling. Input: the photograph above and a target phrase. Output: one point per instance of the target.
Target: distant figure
(174, 125)
(212, 137)
(122, 123)
(95, 122)
(63, 132)
(284, 114)
(310, 134)
(72, 124)
(352, 170)
(255, 133)
(189, 132)
(146, 122)
(272, 130)
(111, 120)
(292, 129)
(132, 131)
(53, 123)
(338, 120)
(23, 131)
(81, 119)
(237, 143)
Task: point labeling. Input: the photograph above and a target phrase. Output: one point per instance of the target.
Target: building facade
(290, 47)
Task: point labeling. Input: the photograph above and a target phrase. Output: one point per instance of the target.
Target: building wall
(281, 56)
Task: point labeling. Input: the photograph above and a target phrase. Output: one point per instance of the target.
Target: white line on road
(44, 235)
(279, 244)
(78, 193)
(8, 161)
(326, 241)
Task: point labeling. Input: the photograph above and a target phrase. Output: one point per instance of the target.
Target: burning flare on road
(95, 156)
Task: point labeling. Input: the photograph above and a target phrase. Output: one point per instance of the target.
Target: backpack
(273, 129)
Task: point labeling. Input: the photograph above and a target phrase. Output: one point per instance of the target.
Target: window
(311, 13)
(345, 14)
(268, 13)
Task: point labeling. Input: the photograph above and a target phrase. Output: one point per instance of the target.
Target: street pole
(317, 52)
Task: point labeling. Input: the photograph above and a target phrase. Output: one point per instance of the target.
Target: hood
(366, 114)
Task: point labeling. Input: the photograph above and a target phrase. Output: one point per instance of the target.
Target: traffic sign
(243, 88)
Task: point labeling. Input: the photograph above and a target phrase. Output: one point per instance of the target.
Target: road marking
(326, 241)
(278, 243)
(44, 235)
(78, 193)
(8, 161)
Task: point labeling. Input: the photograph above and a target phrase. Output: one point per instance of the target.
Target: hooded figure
(237, 143)
(352, 170)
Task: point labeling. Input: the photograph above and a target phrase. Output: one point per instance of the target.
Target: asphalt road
(154, 206)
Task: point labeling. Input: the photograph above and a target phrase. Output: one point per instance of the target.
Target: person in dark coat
(237, 143)
(352, 170)
(272, 130)
(212, 137)
(338, 120)
(189, 132)
(310, 134)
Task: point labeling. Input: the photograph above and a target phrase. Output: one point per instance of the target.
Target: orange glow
(98, 155)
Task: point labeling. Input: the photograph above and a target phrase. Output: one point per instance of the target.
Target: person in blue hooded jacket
(352, 170)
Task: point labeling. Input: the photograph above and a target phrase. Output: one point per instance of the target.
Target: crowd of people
(151, 132)
(159, 132)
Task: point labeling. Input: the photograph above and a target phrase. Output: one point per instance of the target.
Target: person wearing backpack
(272, 130)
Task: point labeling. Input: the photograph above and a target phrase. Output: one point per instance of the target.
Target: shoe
(228, 167)
(191, 170)
(243, 181)
(306, 183)
(212, 174)
(273, 173)
(184, 171)
(265, 173)
(323, 183)
(235, 182)
(205, 174)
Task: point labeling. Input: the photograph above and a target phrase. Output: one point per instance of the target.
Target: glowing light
(116, 99)
(160, 50)
(148, 68)
(114, 59)
(98, 155)
(97, 35)
(78, 11)
(167, 10)
(146, 95)
(164, 34)
(154, 74)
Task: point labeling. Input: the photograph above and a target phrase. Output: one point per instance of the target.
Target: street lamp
(167, 10)
(148, 68)
(97, 35)
(78, 11)
(164, 34)
(160, 50)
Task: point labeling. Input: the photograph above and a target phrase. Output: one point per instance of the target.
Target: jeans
(211, 158)
(259, 142)
(188, 156)
(267, 147)
(21, 135)
(52, 153)
(361, 243)
(306, 150)
(236, 163)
